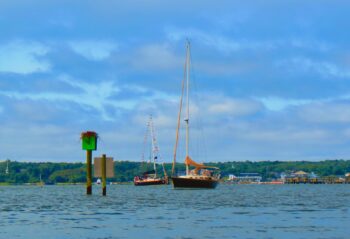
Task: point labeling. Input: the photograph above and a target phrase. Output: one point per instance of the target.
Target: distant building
(301, 177)
(300, 174)
(245, 178)
(283, 176)
(231, 177)
(313, 175)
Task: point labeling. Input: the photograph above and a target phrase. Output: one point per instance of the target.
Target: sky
(270, 80)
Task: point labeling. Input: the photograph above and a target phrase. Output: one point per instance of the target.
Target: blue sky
(271, 78)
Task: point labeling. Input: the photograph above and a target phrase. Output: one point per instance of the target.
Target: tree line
(52, 173)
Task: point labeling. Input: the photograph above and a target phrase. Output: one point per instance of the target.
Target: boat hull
(150, 182)
(180, 182)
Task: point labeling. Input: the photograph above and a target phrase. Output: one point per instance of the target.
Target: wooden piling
(88, 172)
(104, 181)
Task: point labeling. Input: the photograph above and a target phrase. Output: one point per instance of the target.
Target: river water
(229, 211)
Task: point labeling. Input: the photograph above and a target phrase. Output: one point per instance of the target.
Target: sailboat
(151, 177)
(41, 182)
(201, 176)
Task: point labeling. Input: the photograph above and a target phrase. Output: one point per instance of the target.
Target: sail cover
(189, 161)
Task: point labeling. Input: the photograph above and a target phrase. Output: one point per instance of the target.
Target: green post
(104, 181)
(88, 172)
(89, 143)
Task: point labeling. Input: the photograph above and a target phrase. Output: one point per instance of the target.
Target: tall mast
(188, 101)
(7, 167)
(145, 143)
(154, 147)
(144, 165)
(155, 150)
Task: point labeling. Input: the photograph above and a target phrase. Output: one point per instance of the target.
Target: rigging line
(144, 144)
(178, 121)
(201, 146)
(154, 139)
(154, 145)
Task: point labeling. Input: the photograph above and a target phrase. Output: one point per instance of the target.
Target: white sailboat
(151, 177)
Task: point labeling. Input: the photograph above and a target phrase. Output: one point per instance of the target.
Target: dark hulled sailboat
(201, 176)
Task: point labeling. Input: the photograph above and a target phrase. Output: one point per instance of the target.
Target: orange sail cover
(189, 161)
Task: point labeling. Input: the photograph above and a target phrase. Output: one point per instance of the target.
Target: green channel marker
(89, 143)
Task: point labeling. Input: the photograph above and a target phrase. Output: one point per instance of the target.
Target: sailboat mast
(154, 149)
(188, 101)
(7, 167)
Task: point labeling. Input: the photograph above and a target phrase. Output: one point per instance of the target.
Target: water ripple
(230, 211)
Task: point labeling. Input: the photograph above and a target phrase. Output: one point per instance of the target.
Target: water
(230, 211)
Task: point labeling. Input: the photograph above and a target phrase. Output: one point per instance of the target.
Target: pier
(319, 180)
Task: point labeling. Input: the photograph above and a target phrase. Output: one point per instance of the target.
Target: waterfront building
(301, 177)
(245, 178)
(300, 174)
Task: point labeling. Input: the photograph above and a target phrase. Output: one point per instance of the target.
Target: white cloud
(237, 107)
(286, 135)
(160, 119)
(215, 105)
(229, 44)
(310, 44)
(277, 104)
(225, 68)
(323, 68)
(325, 112)
(98, 95)
(156, 56)
(90, 95)
(43, 142)
(221, 43)
(93, 49)
(23, 57)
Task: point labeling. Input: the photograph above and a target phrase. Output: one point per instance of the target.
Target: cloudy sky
(271, 79)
